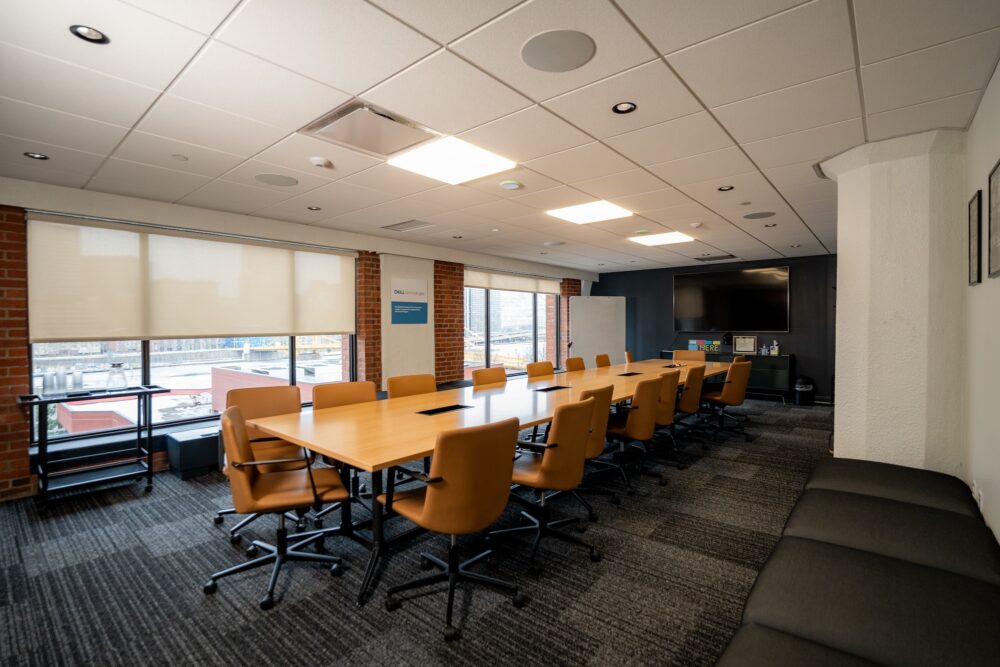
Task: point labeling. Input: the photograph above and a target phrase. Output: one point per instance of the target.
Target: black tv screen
(747, 300)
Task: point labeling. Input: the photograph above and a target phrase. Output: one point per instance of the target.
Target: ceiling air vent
(720, 258)
(367, 128)
(408, 226)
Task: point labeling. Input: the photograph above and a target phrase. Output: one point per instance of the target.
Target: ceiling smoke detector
(321, 162)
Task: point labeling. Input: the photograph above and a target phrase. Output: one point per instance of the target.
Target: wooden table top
(379, 434)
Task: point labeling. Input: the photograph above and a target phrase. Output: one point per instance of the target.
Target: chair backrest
(238, 450)
(668, 398)
(739, 358)
(335, 394)
(494, 375)
(540, 368)
(599, 423)
(475, 465)
(411, 385)
(562, 465)
(691, 396)
(575, 364)
(689, 355)
(735, 390)
(641, 423)
(258, 402)
(602, 360)
(628, 357)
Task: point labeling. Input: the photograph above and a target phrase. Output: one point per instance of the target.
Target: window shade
(511, 282)
(96, 283)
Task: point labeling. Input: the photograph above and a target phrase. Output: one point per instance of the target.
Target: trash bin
(805, 391)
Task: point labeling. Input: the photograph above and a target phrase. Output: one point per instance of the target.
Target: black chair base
(542, 527)
(235, 537)
(452, 572)
(720, 426)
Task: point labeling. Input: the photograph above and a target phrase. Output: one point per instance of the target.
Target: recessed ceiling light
(88, 34)
(624, 107)
(745, 203)
(451, 161)
(558, 51)
(661, 239)
(179, 157)
(706, 254)
(456, 237)
(543, 253)
(495, 229)
(553, 244)
(511, 185)
(279, 180)
(771, 224)
(640, 232)
(795, 245)
(314, 208)
(595, 211)
(697, 225)
(759, 215)
(725, 188)
(36, 156)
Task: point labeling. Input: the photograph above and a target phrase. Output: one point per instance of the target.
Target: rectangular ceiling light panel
(661, 239)
(451, 161)
(595, 211)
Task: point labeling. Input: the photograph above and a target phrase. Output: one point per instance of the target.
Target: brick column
(567, 288)
(551, 342)
(449, 321)
(15, 477)
(369, 325)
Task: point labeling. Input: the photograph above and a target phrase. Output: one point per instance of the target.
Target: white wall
(407, 349)
(983, 319)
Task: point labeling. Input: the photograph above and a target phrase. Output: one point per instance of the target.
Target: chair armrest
(537, 447)
(420, 476)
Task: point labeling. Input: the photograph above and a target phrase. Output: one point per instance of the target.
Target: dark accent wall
(812, 319)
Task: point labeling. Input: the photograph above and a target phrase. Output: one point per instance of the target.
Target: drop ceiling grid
(183, 180)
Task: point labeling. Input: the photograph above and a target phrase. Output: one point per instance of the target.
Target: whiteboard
(597, 326)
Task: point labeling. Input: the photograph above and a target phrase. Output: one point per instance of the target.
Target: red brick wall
(550, 329)
(15, 477)
(369, 307)
(567, 288)
(449, 321)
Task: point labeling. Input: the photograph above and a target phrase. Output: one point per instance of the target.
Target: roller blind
(99, 283)
(509, 281)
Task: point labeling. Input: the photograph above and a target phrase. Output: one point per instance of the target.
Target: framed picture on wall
(975, 236)
(994, 221)
(744, 344)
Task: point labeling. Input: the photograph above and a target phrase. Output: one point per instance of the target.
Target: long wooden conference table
(378, 435)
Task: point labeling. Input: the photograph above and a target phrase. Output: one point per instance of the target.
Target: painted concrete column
(901, 291)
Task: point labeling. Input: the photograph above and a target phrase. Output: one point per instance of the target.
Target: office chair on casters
(596, 442)
(494, 375)
(539, 369)
(465, 491)
(689, 355)
(276, 492)
(575, 364)
(411, 385)
(732, 394)
(602, 361)
(637, 426)
(665, 409)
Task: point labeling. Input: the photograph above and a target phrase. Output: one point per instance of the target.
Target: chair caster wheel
(320, 546)
(336, 570)
(149, 488)
(252, 551)
(520, 599)
(217, 520)
(235, 538)
(267, 603)
(615, 500)
(318, 523)
(596, 556)
(300, 526)
(209, 588)
(451, 634)
(392, 604)
(425, 563)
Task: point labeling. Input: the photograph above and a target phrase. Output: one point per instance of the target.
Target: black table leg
(377, 539)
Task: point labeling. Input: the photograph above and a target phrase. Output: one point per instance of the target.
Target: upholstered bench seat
(758, 646)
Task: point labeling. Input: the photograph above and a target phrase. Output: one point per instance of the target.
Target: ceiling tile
(34, 170)
(794, 176)
(716, 164)
(232, 197)
(206, 126)
(58, 85)
(334, 199)
(158, 151)
(246, 172)
(63, 159)
(681, 212)
(201, 15)
(503, 209)
(690, 135)
(122, 177)
(456, 196)
(143, 48)
(633, 226)
(295, 150)
(375, 217)
(621, 184)
(393, 180)
(349, 44)
(444, 20)
(751, 186)
(446, 94)
(496, 47)
(254, 93)
(813, 144)
(581, 163)
(813, 197)
(799, 45)
(526, 134)
(650, 201)
(756, 254)
(956, 67)
(882, 32)
(948, 112)
(657, 93)
(555, 198)
(821, 102)
(20, 119)
(531, 181)
(693, 21)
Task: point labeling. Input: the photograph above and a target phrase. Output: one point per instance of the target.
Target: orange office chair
(739, 359)
(411, 385)
(638, 425)
(495, 375)
(553, 467)
(596, 444)
(602, 360)
(256, 402)
(689, 403)
(689, 355)
(665, 411)
(575, 364)
(628, 357)
(540, 369)
(465, 491)
(732, 394)
(291, 484)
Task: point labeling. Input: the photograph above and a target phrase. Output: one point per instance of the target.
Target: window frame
(534, 328)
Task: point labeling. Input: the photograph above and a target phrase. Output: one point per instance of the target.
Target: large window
(509, 328)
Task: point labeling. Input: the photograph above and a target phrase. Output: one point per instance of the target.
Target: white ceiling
(752, 97)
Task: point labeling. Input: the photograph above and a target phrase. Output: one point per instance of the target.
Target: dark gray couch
(878, 564)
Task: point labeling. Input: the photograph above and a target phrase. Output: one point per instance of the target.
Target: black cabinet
(769, 376)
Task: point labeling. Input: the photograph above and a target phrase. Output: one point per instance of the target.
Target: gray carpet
(114, 577)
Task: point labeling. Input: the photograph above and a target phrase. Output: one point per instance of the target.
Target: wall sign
(705, 345)
(409, 301)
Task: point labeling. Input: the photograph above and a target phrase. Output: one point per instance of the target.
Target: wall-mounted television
(754, 300)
